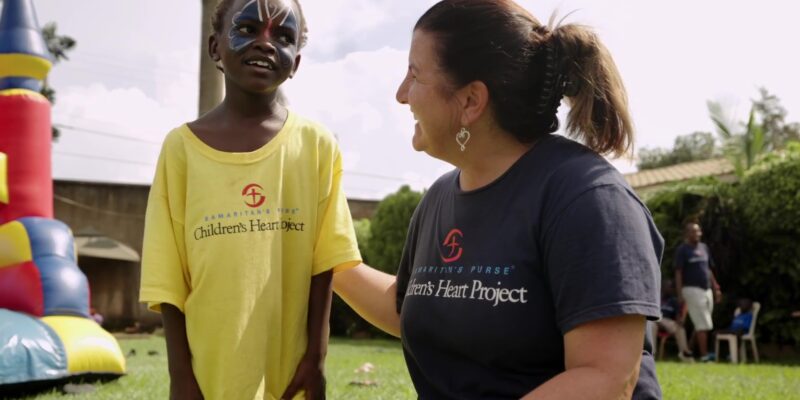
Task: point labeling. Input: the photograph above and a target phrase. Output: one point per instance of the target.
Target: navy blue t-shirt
(491, 279)
(696, 263)
(670, 307)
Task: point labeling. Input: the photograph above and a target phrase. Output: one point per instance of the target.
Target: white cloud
(355, 98)
(93, 116)
(673, 58)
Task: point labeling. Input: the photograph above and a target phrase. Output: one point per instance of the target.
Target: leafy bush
(345, 321)
(752, 229)
(380, 241)
(389, 227)
(363, 234)
(706, 201)
(769, 197)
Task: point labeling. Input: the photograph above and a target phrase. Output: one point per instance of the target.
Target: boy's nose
(264, 42)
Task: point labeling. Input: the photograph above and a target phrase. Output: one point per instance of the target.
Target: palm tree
(211, 80)
(58, 45)
(741, 148)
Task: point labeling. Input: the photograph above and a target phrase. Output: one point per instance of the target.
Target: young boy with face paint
(246, 222)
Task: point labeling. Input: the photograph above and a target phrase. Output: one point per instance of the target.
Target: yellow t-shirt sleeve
(165, 277)
(336, 246)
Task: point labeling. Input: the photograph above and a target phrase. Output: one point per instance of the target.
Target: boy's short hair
(224, 5)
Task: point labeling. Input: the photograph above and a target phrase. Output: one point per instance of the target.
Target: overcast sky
(133, 76)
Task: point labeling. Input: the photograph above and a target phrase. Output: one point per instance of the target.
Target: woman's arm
(182, 382)
(602, 361)
(372, 294)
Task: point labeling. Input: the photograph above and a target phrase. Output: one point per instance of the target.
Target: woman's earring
(462, 137)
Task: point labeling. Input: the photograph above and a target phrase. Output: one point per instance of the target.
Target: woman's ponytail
(594, 90)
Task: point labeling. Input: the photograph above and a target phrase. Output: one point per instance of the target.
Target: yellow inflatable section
(3, 178)
(15, 247)
(89, 348)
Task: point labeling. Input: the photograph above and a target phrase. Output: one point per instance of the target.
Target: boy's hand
(185, 388)
(308, 377)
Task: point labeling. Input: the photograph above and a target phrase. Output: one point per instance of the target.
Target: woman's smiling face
(427, 91)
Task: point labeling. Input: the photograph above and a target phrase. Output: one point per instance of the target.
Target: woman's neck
(488, 158)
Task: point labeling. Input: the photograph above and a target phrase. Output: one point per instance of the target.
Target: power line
(93, 157)
(383, 177)
(78, 204)
(104, 133)
(105, 59)
(356, 173)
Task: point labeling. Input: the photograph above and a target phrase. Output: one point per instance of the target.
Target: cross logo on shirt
(253, 196)
(452, 241)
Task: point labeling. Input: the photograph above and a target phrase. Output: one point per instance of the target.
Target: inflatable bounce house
(46, 335)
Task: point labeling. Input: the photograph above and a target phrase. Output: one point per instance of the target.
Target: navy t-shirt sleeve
(679, 262)
(602, 257)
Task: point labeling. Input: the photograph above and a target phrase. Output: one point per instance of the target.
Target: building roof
(679, 172)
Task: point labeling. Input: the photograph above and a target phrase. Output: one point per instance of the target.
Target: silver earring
(462, 137)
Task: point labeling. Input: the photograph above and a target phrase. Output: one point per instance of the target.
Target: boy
(245, 222)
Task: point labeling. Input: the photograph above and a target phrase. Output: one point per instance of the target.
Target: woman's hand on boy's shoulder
(308, 377)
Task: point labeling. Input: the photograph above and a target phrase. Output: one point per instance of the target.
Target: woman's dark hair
(529, 67)
(224, 6)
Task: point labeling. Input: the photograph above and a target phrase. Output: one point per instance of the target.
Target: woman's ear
(473, 100)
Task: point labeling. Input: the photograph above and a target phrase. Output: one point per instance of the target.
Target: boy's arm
(309, 374)
(183, 384)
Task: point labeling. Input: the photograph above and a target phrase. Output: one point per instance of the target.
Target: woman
(529, 270)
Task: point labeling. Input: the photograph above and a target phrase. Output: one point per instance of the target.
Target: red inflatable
(26, 138)
(21, 289)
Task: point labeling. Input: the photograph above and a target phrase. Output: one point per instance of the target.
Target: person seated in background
(741, 322)
(673, 313)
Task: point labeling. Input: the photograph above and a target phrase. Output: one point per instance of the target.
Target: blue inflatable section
(65, 287)
(29, 350)
(22, 34)
(20, 83)
(49, 237)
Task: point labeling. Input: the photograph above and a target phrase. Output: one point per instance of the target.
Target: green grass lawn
(147, 375)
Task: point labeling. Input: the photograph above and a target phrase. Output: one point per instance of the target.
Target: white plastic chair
(732, 339)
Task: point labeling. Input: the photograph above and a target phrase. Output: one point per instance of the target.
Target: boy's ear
(213, 49)
(296, 65)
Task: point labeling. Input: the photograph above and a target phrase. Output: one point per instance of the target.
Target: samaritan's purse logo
(452, 246)
(253, 196)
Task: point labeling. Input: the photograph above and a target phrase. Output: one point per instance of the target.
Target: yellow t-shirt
(232, 240)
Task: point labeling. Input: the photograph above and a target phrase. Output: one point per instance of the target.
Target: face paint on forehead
(274, 12)
(281, 11)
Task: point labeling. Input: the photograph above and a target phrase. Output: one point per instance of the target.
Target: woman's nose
(402, 92)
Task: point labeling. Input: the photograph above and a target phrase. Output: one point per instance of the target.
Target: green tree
(389, 228)
(693, 147)
(777, 132)
(766, 130)
(769, 198)
(741, 147)
(363, 234)
(58, 45)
